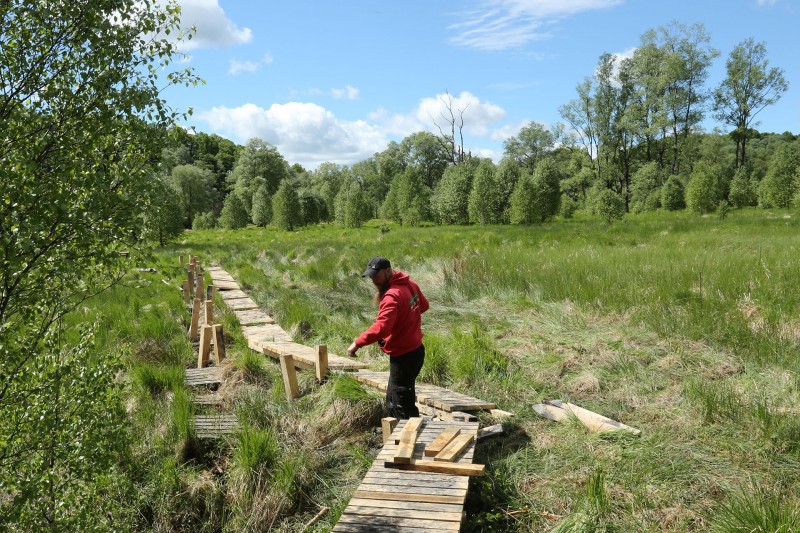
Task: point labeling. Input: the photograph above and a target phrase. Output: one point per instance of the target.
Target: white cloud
(477, 115)
(235, 66)
(214, 28)
(504, 24)
(348, 93)
(508, 130)
(304, 133)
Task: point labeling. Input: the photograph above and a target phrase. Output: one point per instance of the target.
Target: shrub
(262, 207)
(234, 215)
(646, 188)
(742, 193)
(778, 187)
(204, 221)
(706, 188)
(607, 205)
(672, 194)
(568, 206)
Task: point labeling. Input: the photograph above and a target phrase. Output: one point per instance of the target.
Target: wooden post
(193, 333)
(289, 377)
(210, 292)
(190, 278)
(205, 346)
(209, 312)
(387, 426)
(180, 260)
(219, 344)
(322, 362)
(187, 296)
(199, 292)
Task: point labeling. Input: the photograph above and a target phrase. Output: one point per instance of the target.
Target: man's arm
(387, 314)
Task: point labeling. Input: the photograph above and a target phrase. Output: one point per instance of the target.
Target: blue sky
(337, 80)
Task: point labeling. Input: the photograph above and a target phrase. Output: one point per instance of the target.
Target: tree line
(632, 141)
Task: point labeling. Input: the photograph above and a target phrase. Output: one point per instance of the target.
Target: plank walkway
(210, 375)
(437, 397)
(266, 337)
(390, 500)
(215, 426)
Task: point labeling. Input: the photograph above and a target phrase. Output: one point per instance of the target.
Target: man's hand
(352, 349)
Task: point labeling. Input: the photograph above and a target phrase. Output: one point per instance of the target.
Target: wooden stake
(289, 377)
(199, 292)
(210, 292)
(190, 279)
(219, 344)
(387, 426)
(180, 260)
(193, 332)
(322, 362)
(209, 312)
(204, 348)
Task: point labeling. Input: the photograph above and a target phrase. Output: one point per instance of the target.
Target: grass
(685, 327)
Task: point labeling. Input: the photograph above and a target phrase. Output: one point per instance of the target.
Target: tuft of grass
(156, 379)
(593, 514)
(255, 453)
(758, 511)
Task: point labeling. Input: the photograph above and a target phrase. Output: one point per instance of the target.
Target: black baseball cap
(375, 265)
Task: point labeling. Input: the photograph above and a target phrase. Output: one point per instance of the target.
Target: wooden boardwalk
(196, 377)
(437, 397)
(215, 426)
(391, 500)
(266, 337)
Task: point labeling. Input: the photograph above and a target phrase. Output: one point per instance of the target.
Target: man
(398, 332)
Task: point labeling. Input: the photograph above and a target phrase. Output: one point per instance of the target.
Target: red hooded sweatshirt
(399, 317)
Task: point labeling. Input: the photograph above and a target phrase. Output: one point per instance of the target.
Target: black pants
(401, 394)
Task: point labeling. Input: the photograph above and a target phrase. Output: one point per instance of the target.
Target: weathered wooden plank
(203, 376)
(429, 496)
(448, 509)
(227, 286)
(388, 510)
(376, 523)
(233, 295)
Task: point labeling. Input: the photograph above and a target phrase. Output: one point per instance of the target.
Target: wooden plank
(439, 467)
(227, 285)
(491, 431)
(289, 377)
(550, 412)
(387, 426)
(241, 304)
(322, 362)
(407, 496)
(455, 447)
(219, 344)
(209, 312)
(441, 440)
(194, 334)
(203, 376)
(374, 523)
(592, 420)
(205, 346)
(408, 439)
(385, 510)
(233, 295)
(412, 425)
(451, 511)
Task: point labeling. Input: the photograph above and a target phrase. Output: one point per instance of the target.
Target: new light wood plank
(455, 447)
(592, 420)
(441, 440)
(441, 467)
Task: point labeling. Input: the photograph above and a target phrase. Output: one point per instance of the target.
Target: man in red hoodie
(398, 332)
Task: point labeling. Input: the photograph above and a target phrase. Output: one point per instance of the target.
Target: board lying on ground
(389, 500)
(215, 426)
(437, 397)
(196, 377)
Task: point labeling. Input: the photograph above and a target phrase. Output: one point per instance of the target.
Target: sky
(336, 81)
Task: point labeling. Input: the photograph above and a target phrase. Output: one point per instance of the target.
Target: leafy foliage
(672, 194)
(778, 187)
(234, 215)
(450, 200)
(484, 198)
(706, 188)
(262, 207)
(286, 207)
(607, 205)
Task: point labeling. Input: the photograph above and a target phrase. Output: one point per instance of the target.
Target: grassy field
(687, 328)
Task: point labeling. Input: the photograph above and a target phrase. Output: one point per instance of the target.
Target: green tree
(262, 207)
(408, 201)
(424, 151)
(530, 145)
(706, 188)
(646, 188)
(195, 187)
(484, 198)
(506, 175)
(82, 120)
(259, 164)
(286, 213)
(522, 208)
(163, 221)
(450, 200)
(673, 194)
(607, 205)
(778, 187)
(749, 86)
(204, 221)
(351, 208)
(233, 215)
(312, 207)
(742, 192)
(327, 180)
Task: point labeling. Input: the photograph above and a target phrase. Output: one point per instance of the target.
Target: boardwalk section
(392, 500)
(438, 397)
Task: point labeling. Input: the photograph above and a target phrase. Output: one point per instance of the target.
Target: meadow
(683, 326)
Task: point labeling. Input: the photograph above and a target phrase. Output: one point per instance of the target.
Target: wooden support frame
(209, 312)
(322, 362)
(205, 346)
(219, 344)
(289, 377)
(387, 426)
(194, 334)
